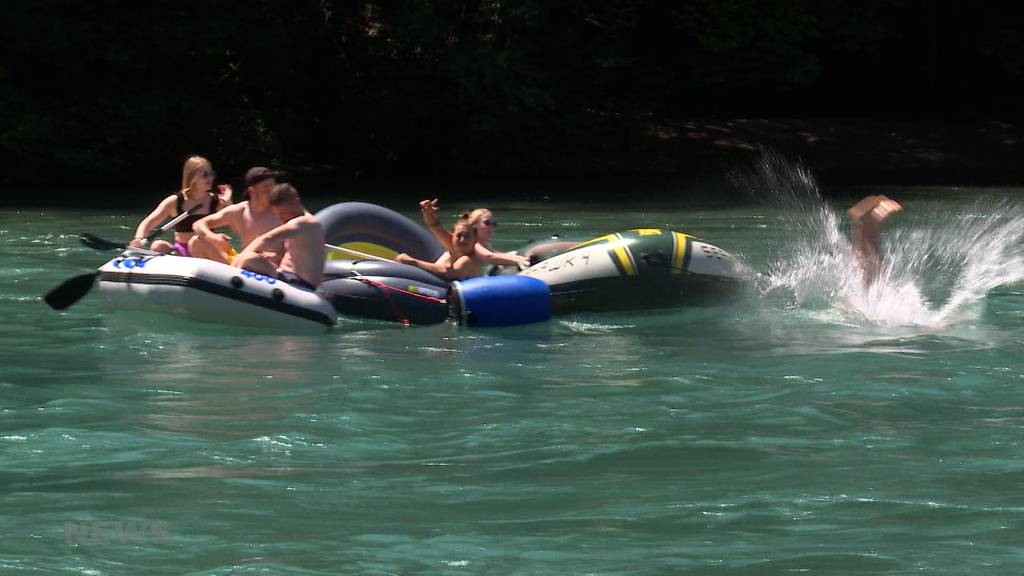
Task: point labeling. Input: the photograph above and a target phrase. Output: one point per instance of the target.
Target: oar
(70, 291)
(97, 243)
(358, 253)
(521, 267)
(73, 289)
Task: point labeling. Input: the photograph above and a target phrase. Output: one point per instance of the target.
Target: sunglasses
(207, 174)
(489, 223)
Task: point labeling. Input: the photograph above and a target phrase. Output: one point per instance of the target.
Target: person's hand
(225, 192)
(429, 210)
(222, 241)
(863, 207)
(404, 258)
(887, 207)
(522, 262)
(429, 206)
(137, 243)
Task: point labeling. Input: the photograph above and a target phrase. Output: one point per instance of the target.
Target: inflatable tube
(639, 269)
(385, 291)
(500, 301)
(376, 230)
(208, 291)
(387, 298)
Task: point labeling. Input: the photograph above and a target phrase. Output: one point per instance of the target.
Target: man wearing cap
(247, 220)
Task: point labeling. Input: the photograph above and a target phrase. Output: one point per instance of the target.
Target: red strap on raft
(385, 288)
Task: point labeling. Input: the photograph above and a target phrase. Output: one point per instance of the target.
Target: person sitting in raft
(458, 262)
(247, 219)
(483, 221)
(294, 251)
(196, 189)
(868, 216)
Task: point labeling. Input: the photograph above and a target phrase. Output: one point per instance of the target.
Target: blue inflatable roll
(500, 301)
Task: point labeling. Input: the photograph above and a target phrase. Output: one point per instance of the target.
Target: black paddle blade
(97, 243)
(70, 291)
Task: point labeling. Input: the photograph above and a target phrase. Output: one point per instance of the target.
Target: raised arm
(428, 208)
(868, 216)
(224, 194)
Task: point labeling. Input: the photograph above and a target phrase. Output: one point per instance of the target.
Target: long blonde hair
(188, 173)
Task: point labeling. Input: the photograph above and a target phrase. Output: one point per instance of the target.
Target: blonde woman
(459, 261)
(197, 178)
(482, 220)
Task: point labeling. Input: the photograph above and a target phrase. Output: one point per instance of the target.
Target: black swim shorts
(294, 280)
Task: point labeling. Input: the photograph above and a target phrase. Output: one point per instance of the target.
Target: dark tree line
(114, 89)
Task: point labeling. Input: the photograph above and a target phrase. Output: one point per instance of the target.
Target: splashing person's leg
(868, 216)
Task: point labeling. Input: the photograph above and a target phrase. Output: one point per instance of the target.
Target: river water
(814, 426)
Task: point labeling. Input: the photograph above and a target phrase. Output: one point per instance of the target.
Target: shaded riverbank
(686, 161)
(842, 152)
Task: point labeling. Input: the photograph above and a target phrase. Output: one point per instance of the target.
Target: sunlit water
(815, 426)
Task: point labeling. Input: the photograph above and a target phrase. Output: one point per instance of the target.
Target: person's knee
(203, 248)
(161, 246)
(196, 245)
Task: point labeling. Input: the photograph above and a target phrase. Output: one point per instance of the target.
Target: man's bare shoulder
(227, 213)
(239, 208)
(306, 220)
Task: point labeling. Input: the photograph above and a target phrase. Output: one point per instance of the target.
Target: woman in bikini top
(196, 189)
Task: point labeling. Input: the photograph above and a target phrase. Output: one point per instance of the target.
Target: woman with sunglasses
(483, 221)
(196, 190)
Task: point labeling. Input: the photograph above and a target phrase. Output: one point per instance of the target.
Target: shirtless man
(459, 263)
(247, 220)
(294, 251)
(868, 216)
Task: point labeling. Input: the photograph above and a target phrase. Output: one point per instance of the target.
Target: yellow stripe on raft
(617, 251)
(624, 260)
(364, 247)
(605, 238)
(678, 252)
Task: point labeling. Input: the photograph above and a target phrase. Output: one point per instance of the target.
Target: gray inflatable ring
(365, 222)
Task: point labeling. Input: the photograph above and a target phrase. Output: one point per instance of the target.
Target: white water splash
(938, 264)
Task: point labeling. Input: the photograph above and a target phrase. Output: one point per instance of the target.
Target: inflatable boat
(644, 268)
(361, 279)
(631, 270)
(208, 291)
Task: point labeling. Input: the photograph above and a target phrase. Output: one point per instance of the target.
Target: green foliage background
(112, 89)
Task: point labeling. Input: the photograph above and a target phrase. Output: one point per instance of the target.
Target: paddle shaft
(97, 243)
(171, 223)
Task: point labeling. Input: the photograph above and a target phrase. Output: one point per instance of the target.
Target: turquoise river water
(813, 427)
